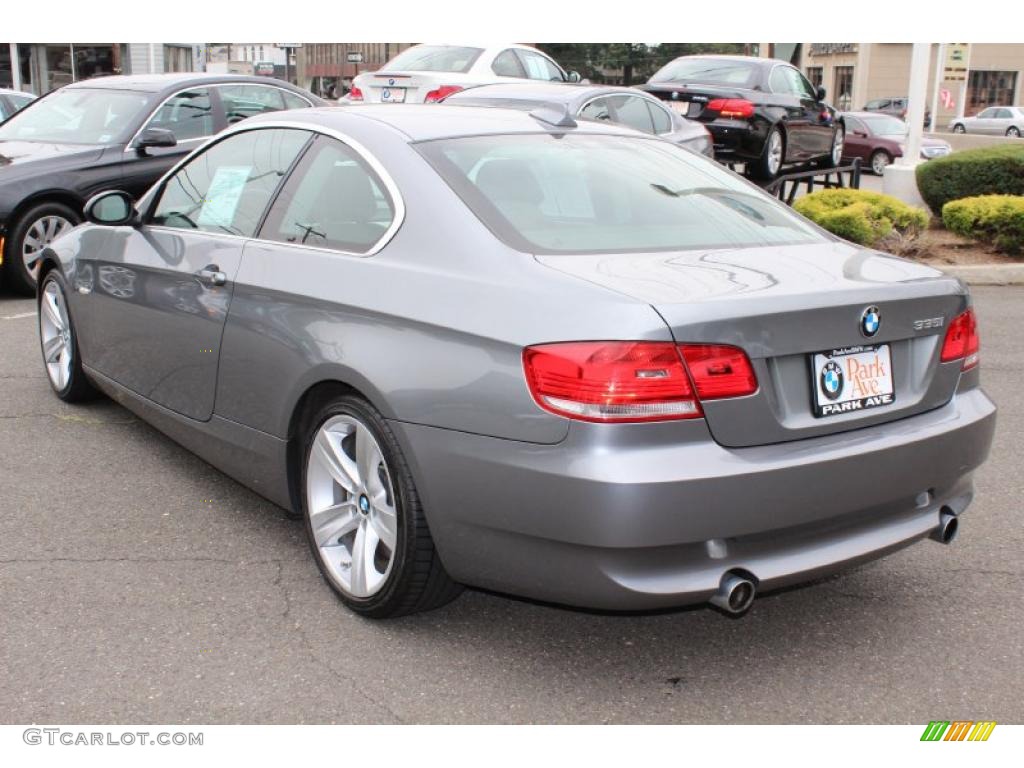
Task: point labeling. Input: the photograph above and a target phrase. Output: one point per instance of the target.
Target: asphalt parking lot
(139, 585)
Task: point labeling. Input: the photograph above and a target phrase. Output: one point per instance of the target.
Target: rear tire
(879, 160)
(363, 517)
(959, 128)
(835, 154)
(1013, 132)
(772, 158)
(58, 341)
(31, 233)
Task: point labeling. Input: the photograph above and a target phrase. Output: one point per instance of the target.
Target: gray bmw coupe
(489, 347)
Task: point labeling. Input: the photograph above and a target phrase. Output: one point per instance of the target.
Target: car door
(192, 116)
(794, 113)
(305, 285)
(817, 113)
(1002, 119)
(159, 292)
(982, 122)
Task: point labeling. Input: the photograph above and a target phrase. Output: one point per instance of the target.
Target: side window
(4, 111)
(597, 110)
(986, 113)
(805, 85)
(187, 114)
(20, 101)
(332, 200)
(539, 67)
(798, 85)
(660, 117)
(242, 101)
(294, 101)
(507, 64)
(632, 111)
(853, 125)
(1003, 113)
(227, 188)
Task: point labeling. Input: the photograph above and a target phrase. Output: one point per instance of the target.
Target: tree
(637, 61)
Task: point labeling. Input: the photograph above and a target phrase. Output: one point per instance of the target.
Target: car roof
(762, 60)
(424, 122)
(160, 82)
(558, 93)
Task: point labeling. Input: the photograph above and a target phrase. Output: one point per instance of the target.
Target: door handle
(211, 274)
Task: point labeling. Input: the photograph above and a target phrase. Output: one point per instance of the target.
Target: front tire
(835, 155)
(32, 232)
(772, 158)
(363, 517)
(1013, 132)
(59, 343)
(880, 159)
(959, 128)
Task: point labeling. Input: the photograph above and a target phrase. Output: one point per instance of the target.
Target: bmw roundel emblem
(832, 379)
(870, 321)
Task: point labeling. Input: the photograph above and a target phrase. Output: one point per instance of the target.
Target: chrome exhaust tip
(735, 594)
(947, 530)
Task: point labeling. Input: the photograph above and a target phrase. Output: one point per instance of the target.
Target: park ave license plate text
(852, 379)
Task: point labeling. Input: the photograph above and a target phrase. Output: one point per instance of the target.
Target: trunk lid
(691, 100)
(404, 87)
(785, 304)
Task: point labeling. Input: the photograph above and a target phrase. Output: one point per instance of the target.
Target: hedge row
(996, 219)
(861, 216)
(995, 170)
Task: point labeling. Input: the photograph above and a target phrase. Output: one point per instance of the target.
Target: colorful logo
(870, 321)
(958, 730)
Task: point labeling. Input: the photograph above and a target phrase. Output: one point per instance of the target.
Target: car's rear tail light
(355, 94)
(962, 340)
(732, 107)
(719, 371)
(612, 381)
(439, 93)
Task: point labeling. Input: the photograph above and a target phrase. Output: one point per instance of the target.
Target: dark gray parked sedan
(469, 346)
(602, 103)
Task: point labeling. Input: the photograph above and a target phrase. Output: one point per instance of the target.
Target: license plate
(682, 107)
(852, 379)
(393, 95)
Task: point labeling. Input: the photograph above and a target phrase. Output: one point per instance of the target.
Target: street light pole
(940, 61)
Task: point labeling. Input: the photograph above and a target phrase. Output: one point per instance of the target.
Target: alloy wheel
(959, 129)
(55, 335)
(774, 152)
(837, 146)
(879, 161)
(351, 504)
(43, 231)
(1013, 131)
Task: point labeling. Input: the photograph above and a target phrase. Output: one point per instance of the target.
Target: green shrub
(995, 170)
(861, 216)
(997, 219)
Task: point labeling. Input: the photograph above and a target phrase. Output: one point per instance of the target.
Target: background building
(41, 67)
(856, 73)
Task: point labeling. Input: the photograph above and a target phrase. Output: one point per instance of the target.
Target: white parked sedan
(995, 121)
(427, 73)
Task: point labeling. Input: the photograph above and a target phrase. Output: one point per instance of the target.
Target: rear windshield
(579, 193)
(737, 73)
(435, 58)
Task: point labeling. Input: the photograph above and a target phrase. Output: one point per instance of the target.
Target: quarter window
(227, 188)
(661, 118)
(187, 115)
(332, 200)
(242, 101)
(632, 112)
(597, 110)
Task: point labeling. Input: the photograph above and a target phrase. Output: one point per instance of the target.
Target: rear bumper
(644, 516)
(736, 139)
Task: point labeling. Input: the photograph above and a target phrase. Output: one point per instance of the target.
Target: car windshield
(77, 116)
(743, 74)
(435, 58)
(885, 126)
(548, 193)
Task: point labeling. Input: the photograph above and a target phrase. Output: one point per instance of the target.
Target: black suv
(761, 112)
(110, 133)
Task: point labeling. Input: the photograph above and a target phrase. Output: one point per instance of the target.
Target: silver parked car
(995, 121)
(575, 363)
(602, 103)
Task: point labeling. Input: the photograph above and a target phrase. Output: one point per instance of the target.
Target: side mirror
(821, 93)
(111, 209)
(155, 137)
(574, 76)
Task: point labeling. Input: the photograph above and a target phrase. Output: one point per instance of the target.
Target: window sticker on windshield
(222, 198)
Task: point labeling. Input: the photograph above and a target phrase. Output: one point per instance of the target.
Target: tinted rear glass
(737, 73)
(608, 194)
(435, 58)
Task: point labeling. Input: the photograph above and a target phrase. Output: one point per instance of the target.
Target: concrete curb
(987, 274)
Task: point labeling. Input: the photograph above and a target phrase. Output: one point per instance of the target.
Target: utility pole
(940, 68)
